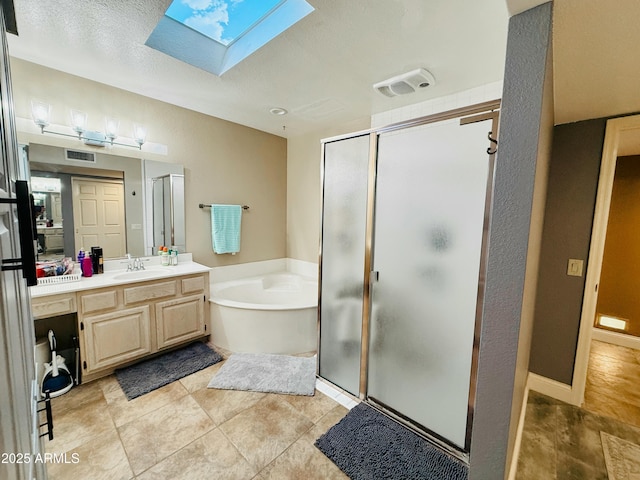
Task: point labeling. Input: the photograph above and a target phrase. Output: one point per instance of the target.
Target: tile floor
(561, 441)
(186, 431)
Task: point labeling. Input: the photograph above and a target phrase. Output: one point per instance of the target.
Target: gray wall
(571, 195)
(522, 103)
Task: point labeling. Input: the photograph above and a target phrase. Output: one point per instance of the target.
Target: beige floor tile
(302, 460)
(222, 405)
(76, 397)
(199, 380)
(77, 426)
(111, 389)
(210, 456)
(153, 437)
(124, 411)
(327, 421)
(313, 407)
(101, 458)
(265, 430)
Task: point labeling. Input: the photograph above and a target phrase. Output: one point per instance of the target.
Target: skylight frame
(189, 45)
(244, 32)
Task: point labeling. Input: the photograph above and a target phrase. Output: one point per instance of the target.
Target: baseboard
(552, 388)
(616, 338)
(513, 468)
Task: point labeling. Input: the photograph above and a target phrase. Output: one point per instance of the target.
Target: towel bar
(204, 205)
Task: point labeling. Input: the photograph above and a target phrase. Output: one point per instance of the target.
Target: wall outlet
(136, 226)
(574, 268)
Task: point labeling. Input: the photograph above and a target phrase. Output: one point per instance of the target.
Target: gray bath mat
(157, 372)
(263, 372)
(367, 445)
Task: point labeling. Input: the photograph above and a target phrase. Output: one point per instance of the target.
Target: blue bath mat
(367, 445)
(157, 372)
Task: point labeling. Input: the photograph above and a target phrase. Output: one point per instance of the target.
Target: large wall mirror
(87, 199)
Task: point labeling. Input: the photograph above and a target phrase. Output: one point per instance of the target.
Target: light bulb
(41, 113)
(139, 134)
(111, 128)
(78, 121)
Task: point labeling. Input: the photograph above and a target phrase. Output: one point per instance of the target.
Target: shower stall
(405, 216)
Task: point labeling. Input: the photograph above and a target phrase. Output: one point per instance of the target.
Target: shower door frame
(474, 113)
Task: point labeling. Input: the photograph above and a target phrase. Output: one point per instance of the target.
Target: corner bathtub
(273, 313)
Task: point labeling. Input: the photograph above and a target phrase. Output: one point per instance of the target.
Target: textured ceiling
(321, 70)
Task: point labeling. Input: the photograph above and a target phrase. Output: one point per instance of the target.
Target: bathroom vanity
(125, 316)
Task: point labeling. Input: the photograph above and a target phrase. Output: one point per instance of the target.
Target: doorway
(98, 215)
(622, 139)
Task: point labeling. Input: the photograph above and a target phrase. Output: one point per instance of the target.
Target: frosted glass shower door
(428, 235)
(345, 172)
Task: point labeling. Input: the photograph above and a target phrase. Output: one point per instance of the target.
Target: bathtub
(271, 313)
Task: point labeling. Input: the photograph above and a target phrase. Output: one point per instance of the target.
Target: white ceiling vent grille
(78, 156)
(406, 83)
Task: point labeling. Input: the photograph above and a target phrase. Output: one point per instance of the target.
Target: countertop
(111, 277)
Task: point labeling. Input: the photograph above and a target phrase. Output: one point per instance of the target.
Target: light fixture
(139, 134)
(41, 114)
(612, 322)
(78, 122)
(111, 128)
(278, 111)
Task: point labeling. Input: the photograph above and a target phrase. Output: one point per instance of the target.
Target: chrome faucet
(137, 264)
(134, 264)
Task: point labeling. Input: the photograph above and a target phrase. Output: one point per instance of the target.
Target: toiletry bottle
(174, 256)
(80, 258)
(87, 266)
(165, 257)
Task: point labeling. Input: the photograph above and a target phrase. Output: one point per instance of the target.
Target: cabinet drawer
(193, 284)
(53, 305)
(143, 293)
(93, 302)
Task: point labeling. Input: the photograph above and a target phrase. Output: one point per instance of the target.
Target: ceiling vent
(79, 156)
(406, 83)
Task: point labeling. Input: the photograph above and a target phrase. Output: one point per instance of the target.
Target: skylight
(222, 21)
(215, 35)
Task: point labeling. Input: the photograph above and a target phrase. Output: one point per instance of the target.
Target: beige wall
(619, 280)
(304, 187)
(224, 162)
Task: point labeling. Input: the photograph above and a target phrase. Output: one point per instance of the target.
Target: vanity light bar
(41, 114)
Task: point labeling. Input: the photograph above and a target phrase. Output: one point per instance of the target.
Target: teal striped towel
(225, 228)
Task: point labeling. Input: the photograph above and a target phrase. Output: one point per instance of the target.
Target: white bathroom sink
(137, 274)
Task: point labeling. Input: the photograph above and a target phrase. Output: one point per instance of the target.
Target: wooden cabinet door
(116, 337)
(179, 320)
